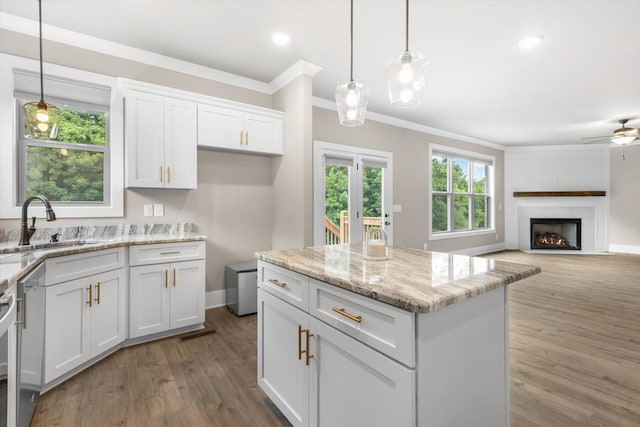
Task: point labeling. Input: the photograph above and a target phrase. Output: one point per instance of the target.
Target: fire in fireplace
(556, 233)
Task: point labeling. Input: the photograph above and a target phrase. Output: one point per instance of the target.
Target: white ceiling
(582, 78)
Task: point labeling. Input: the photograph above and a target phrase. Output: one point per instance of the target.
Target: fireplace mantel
(559, 193)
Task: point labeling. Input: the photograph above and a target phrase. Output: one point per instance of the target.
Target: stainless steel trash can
(241, 283)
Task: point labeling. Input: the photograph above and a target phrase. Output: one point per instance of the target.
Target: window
(71, 165)
(80, 167)
(461, 187)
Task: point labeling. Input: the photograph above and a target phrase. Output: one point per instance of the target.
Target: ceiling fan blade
(597, 141)
(596, 137)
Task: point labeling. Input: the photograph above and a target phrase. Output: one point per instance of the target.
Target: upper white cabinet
(161, 141)
(248, 129)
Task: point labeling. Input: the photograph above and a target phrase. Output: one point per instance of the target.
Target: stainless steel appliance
(7, 359)
(242, 287)
(30, 340)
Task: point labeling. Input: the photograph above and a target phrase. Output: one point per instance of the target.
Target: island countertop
(411, 279)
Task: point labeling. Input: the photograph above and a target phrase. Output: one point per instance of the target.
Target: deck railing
(335, 234)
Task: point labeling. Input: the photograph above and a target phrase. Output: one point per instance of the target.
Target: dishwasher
(30, 295)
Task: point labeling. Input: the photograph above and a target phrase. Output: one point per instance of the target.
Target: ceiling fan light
(407, 78)
(351, 100)
(622, 139)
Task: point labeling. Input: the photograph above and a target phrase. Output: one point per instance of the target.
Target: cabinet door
(220, 127)
(282, 374)
(148, 300)
(264, 134)
(144, 139)
(108, 314)
(180, 144)
(187, 293)
(67, 336)
(354, 385)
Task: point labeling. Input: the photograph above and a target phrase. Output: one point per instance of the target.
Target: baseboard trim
(214, 299)
(481, 250)
(625, 249)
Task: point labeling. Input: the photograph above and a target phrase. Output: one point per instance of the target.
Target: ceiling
(584, 76)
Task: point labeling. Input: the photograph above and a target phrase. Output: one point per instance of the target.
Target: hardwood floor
(575, 360)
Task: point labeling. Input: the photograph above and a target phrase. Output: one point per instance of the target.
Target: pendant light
(41, 119)
(407, 75)
(351, 97)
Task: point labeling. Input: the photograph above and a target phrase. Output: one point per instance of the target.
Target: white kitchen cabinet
(161, 141)
(247, 129)
(316, 374)
(165, 295)
(84, 318)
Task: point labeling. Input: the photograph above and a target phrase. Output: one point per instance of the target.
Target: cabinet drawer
(71, 267)
(285, 284)
(165, 252)
(388, 329)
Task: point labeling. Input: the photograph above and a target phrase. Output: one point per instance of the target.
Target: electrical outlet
(158, 209)
(425, 246)
(497, 236)
(148, 210)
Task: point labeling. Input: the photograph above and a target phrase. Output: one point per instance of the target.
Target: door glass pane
(439, 174)
(479, 179)
(461, 212)
(480, 212)
(336, 202)
(439, 211)
(460, 176)
(371, 198)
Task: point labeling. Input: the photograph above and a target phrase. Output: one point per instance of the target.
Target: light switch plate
(158, 209)
(148, 210)
(397, 208)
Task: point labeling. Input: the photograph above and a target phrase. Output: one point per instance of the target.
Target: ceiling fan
(621, 136)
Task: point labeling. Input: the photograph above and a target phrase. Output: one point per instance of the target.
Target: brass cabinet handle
(277, 283)
(166, 278)
(161, 175)
(246, 137)
(300, 351)
(347, 315)
(89, 301)
(308, 356)
(174, 277)
(168, 174)
(240, 137)
(98, 288)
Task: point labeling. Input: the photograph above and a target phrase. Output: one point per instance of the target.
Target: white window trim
(9, 207)
(464, 154)
(320, 149)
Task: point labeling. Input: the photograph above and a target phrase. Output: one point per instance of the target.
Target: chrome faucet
(27, 232)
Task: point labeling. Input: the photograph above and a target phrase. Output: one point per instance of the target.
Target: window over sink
(79, 168)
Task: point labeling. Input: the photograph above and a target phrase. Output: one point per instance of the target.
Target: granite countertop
(411, 279)
(17, 262)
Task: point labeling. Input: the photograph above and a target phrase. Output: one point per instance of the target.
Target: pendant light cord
(407, 26)
(41, 75)
(351, 70)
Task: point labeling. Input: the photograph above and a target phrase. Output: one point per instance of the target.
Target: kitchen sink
(14, 247)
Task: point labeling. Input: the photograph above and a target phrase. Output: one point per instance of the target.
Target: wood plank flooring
(575, 360)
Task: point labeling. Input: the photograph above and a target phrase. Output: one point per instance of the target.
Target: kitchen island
(418, 339)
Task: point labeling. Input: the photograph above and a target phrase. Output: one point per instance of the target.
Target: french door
(353, 192)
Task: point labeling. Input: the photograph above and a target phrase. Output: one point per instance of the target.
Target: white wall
(624, 231)
(557, 168)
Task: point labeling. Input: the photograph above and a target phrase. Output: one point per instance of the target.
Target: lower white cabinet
(84, 318)
(166, 296)
(319, 376)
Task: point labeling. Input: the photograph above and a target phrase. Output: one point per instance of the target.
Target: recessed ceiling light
(281, 39)
(529, 42)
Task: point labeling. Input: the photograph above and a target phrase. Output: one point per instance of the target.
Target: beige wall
(624, 226)
(233, 202)
(410, 180)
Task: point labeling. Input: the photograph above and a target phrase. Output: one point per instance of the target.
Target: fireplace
(556, 233)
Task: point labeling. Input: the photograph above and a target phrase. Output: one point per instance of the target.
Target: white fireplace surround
(587, 214)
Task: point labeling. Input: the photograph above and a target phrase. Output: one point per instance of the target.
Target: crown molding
(382, 118)
(293, 72)
(29, 27)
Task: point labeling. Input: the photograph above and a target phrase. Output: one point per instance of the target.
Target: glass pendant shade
(351, 99)
(623, 140)
(407, 77)
(41, 120)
